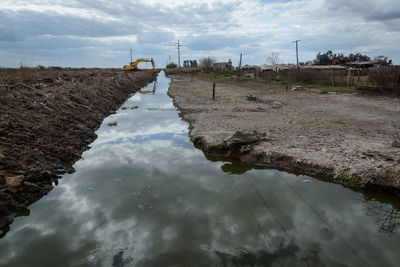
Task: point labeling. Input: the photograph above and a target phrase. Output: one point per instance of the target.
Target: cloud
(81, 33)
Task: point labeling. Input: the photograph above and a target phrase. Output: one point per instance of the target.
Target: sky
(89, 33)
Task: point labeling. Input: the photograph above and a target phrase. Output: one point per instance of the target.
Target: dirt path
(47, 119)
(345, 138)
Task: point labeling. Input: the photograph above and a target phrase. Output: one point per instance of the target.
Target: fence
(385, 79)
(324, 77)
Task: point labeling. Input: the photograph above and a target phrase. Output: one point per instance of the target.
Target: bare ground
(346, 138)
(47, 119)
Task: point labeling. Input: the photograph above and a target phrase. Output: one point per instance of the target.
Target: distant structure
(223, 66)
(364, 64)
(190, 64)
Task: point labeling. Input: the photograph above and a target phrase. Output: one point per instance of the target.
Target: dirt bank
(342, 137)
(47, 119)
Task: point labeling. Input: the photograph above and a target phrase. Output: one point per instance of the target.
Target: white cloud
(44, 31)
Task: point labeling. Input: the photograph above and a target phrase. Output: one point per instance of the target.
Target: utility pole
(179, 54)
(297, 52)
(131, 53)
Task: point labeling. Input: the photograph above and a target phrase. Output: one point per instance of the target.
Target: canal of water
(144, 196)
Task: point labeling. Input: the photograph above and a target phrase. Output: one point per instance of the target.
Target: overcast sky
(92, 33)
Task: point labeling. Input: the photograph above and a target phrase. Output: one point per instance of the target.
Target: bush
(172, 65)
(207, 63)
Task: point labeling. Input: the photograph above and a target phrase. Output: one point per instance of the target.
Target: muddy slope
(47, 119)
(344, 138)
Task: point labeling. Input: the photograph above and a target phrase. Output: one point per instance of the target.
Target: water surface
(144, 196)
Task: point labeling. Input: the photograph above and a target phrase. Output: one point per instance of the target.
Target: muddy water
(144, 196)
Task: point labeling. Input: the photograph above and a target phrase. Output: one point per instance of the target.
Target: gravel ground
(346, 138)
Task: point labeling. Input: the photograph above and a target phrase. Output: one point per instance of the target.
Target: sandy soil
(47, 119)
(342, 137)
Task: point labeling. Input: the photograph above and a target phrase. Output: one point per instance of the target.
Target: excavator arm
(134, 65)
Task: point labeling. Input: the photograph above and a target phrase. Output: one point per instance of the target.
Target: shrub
(172, 65)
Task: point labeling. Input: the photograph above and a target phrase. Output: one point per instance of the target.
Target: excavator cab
(133, 66)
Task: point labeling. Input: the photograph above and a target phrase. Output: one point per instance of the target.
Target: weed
(396, 142)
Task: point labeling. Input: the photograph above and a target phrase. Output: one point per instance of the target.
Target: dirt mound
(47, 119)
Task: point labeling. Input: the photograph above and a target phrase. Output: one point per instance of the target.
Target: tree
(324, 59)
(171, 65)
(274, 58)
(382, 60)
(328, 57)
(207, 63)
(358, 57)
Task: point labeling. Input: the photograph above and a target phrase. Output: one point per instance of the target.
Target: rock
(245, 149)
(298, 88)
(240, 139)
(251, 97)
(276, 105)
(134, 107)
(39, 85)
(14, 181)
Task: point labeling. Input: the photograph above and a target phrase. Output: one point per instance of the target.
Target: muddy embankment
(47, 119)
(343, 138)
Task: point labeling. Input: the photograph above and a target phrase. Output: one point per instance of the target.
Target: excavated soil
(345, 138)
(47, 119)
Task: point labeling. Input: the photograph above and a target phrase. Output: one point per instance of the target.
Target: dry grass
(386, 79)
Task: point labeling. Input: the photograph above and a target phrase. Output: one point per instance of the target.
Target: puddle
(144, 196)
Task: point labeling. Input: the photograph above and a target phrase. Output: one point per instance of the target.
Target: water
(144, 196)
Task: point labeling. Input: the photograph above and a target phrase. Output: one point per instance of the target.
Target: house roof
(372, 62)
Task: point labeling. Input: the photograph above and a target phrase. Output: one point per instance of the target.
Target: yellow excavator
(134, 65)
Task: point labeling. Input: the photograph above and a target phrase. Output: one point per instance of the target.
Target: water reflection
(150, 92)
(143, 196)
(387, 216)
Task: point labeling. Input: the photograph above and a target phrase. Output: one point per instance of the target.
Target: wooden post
(333, 77)
(348, 77)
(358, 72)
(213, 91)
(240, 65)
(192, 77)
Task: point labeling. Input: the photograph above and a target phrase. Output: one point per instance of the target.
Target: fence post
(348, 77)
(213, 91)
(333, 76)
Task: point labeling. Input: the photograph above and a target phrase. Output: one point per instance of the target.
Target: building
(222, 66)
(364, 64)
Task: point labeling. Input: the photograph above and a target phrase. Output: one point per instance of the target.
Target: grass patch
(396, 144)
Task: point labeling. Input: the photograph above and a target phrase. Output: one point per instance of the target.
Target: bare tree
(274, 58)
(207, 63)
